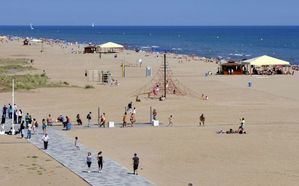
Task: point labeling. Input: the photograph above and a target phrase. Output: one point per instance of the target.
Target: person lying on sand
(231, 131)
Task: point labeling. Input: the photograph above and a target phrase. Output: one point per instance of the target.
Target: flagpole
(13, 108)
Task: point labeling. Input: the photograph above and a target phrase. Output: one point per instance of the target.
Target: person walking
(4, 110)
(76, 143)
(202, 120)
(170, 122)
(44, 126)
(46, 141)
(88, 117)
(27, 119)
(20, 116)
(10, 111)
(125, 118)
(100, 161)
(135, 164)
(79, 121)
(22, 129)
(3, 119)
(34, 126)
(102, 120)
(29, 131)
(242, 125)
(88, 161)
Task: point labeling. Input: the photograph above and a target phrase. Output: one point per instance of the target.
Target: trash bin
(148, 72)
(249, 84)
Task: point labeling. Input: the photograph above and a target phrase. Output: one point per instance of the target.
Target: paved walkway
(63, 150)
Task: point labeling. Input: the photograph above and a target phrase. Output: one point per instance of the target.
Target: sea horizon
(224, 42)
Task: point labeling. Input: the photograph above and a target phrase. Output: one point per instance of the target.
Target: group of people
(11, 112)
(201, 120)
(27, 124)
(240, 130)
(99, 157)
(130, 114)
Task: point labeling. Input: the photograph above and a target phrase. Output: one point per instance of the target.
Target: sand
(267, 155)
(24, 164)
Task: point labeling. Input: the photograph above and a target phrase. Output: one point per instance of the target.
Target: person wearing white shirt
(29, 130)
(45, 140)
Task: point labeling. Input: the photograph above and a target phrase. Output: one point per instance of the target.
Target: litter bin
(148, 72)
(249, 84)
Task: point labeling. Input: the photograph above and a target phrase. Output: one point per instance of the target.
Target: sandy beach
(185, 153)
(24, 164)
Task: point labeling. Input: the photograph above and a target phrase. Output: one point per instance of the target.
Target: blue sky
(149, 12)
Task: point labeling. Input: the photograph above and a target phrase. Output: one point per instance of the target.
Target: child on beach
(170, 123)
(125, 118)
(88, 161)
(100, 161)
(76, 143)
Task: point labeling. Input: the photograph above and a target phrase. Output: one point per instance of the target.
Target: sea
(224, 42)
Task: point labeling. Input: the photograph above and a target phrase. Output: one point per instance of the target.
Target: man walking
(202, 120)
(135, 164)
(45, 140)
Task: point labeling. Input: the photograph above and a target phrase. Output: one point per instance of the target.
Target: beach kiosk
(110, 47)
(266, 65)
(231, 68)
(90, 49)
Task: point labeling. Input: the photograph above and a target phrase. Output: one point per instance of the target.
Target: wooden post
(123, 70)
(165, 75)
(151, 115)
(99, 114)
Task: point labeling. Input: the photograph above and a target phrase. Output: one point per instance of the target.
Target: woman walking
(88, 161)
(100, 161)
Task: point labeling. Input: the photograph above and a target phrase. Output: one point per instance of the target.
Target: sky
(150, 12)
